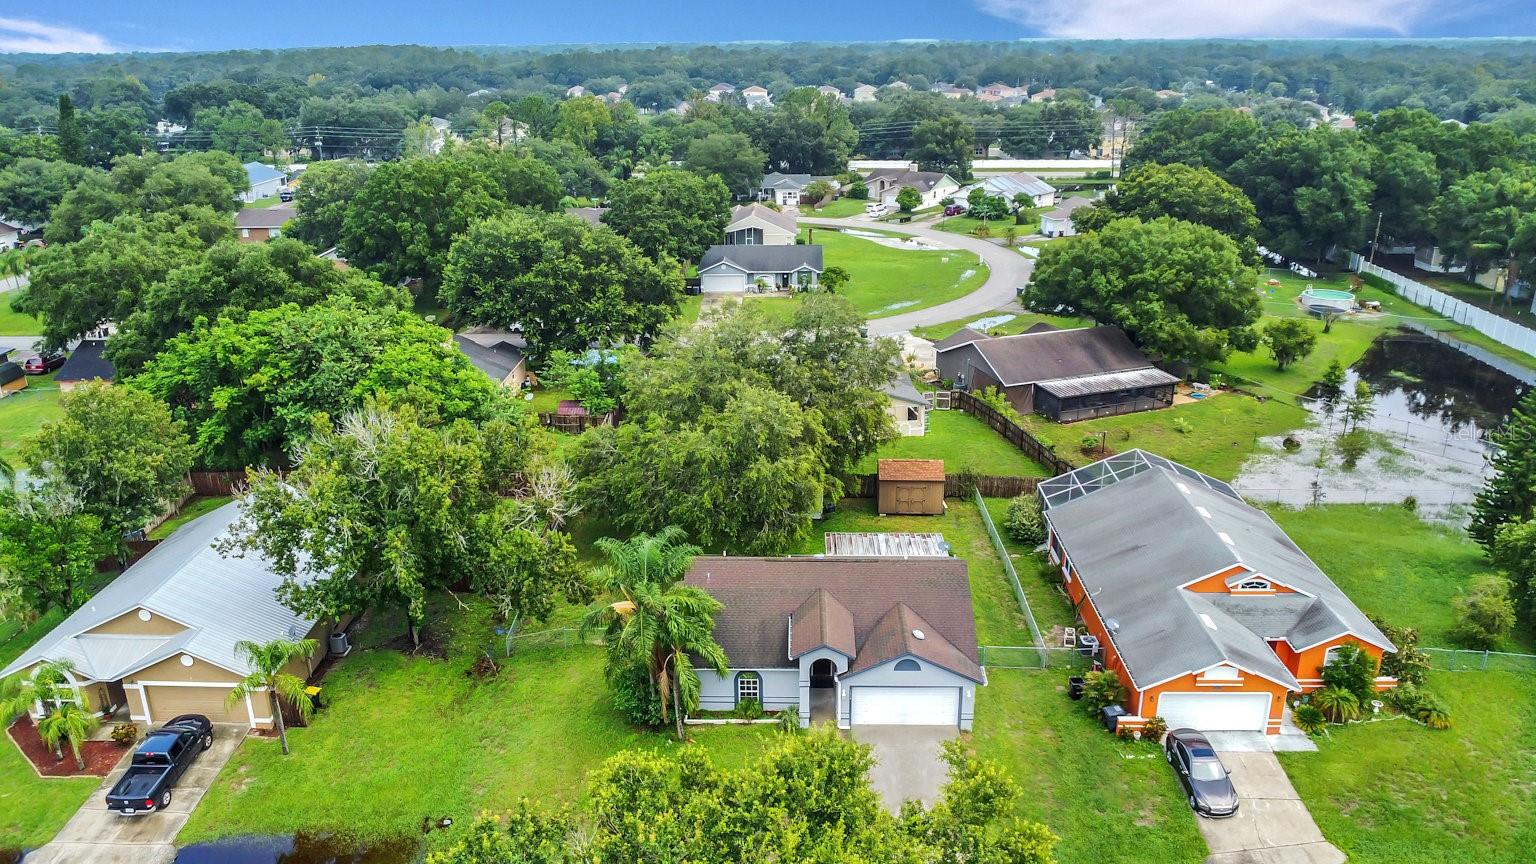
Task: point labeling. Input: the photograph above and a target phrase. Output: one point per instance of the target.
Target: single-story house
(784, 189)
(12, 378)
(1065, 375)
(1207, 612)
(1010, 186)
(1058, 222)
(497, 355)
(1043, 95)
(949, 91)
(160, 639)
(264, 182)
(864, 641)
(260, 224)
(86, 363)
(1431, 260)
(934, 186)
(906, 405)
(910, 487)
(739, 269)
(10, 236)
(591, 215)
(756, 225)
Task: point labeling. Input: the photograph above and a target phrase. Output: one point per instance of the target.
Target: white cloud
(20, 35)
(1177, 19)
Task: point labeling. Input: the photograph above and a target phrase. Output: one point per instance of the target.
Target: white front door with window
(1215, 712)
(905, 706)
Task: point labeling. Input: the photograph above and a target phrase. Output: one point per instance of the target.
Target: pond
(299, 849)
(1434, 407)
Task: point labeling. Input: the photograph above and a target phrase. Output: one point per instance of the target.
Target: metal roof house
(264, 182)
(1065, 375)
(862, 640)
(1010, 186)
(1208, 613)
(160, 639)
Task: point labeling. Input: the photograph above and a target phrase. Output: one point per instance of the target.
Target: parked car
(875, 209)
(954, 210)
(158, 763)
(1206, 781)
(42, 364)
(285, 194)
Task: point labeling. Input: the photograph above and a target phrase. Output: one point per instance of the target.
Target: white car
(875, 209)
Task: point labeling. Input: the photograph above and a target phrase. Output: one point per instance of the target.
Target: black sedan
(1205, 779)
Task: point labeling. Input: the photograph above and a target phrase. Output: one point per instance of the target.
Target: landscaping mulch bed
(100, 756)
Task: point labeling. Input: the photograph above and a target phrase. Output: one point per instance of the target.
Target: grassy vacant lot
(260, 203)
(1394, 792)
(22, 413)
(1020, 322)
(836, 209)
(887, 281)
(961, 441)
(409, 737)
(15, 323)
(996, 227)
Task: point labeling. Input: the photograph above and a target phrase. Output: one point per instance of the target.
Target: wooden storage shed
(911, 487)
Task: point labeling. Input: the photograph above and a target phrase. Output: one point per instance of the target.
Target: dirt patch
(100, 756)
(434, 643)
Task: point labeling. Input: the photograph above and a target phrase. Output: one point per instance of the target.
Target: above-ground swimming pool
(1327, 300)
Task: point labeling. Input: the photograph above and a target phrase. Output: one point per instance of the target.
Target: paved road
(1272, 825)
(1009, 272)
(96, 835)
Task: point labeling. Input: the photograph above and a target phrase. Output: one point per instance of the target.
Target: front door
(822, 673)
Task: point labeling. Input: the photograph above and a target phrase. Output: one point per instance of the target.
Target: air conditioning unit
(339, 645)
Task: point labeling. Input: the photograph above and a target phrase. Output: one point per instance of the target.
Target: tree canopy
(670, 214)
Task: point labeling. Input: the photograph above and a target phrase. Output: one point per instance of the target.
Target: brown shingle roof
(821, 622)
(895, 634)
(963, 336)
(761, 594)
(911, 469)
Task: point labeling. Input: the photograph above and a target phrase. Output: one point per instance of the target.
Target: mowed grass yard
(888, 281)
(22, 413)
(1394, 792)
(837, 208)
(16, 323)
(962, 441)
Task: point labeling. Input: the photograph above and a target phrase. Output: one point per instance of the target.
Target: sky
(54, 26)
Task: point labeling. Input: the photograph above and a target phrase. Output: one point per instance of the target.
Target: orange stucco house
(1208, 613)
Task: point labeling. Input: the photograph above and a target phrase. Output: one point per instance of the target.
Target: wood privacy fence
(574, 424)
(1012, 432)
(216, 482)
(989, 485)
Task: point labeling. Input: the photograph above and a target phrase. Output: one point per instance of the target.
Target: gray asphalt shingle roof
(1135, 539)
(1051, 355)
(901, 388)
(764, 259)
(767, 214)
(497, 359)
(265, 217)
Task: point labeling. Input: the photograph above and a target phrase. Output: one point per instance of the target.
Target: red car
(42, 364)
(954, 210)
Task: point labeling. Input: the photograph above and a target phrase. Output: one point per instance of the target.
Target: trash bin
(1075, 688)
(1112, 715)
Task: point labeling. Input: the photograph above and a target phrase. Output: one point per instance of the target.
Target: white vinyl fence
(1500, 330)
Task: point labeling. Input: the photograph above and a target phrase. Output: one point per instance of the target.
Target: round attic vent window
(186, 659)
(144, 615)
(918, 634)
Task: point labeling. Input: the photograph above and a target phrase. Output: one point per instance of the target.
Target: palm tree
(267, 664)
(68, 722)
(655, 621)
(48, 686)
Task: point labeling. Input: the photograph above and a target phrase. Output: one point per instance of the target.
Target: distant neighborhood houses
(934, 186)
(264, 182)
(259, 224)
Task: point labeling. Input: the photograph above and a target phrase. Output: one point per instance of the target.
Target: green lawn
(16, 323)
(961, 441)
(689, 309)
(22, 413)
(836, 209)
(35, 808)
(996, 227)
(411, 737)
(262, 203)
(1018, 324)
(886, 281)
(191, 510)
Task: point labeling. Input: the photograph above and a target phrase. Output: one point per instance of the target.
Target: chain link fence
(1466, 660)
(1013, 576)
(1033, 657)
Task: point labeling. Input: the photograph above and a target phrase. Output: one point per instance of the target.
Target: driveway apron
(1272, 825)
(908, 763)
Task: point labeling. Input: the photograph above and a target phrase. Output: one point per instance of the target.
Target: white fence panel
(1500, 330)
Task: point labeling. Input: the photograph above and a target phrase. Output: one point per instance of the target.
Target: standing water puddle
(298, 849)
(1434, 407)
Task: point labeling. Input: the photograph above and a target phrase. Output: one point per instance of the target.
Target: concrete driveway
(907, 762)
(1272, 825)
(95, 835)
(1009, 271)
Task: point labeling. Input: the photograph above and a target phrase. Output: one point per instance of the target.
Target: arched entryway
(823, 673)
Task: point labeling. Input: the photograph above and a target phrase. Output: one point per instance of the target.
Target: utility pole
(1375, 241)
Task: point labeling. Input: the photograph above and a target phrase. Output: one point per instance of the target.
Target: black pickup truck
(160, 760)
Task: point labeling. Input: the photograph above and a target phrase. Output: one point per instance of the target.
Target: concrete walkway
(908, 764)
(1009, 271)
(1272, 825)
(95, 835)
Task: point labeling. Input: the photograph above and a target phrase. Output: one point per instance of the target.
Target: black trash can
(1075, 688)
(1112, 715)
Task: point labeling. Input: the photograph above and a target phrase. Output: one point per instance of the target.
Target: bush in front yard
(1337, 704)
(1352, 670)
(1308, 719)
(1484, 613)
(1023, 522)
(1408, 664)
(633, 694)
(1421, 705)
(1101, 690)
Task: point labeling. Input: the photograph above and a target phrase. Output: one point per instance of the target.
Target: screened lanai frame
(1111, 470)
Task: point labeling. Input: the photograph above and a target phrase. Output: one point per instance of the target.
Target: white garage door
(906, 706)
(722, 283)
(1215, 712)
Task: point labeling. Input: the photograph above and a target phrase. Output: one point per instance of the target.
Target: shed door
(905, 706)
(1215, 712)
(167, 702)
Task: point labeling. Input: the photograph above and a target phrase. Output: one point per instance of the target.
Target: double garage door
(729, 282)
(167, 702)
(1215, 712)
(905, 706)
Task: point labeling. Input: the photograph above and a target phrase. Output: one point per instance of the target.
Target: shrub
(1352, 445)
(1156, 728)
(966, 480)
(1337, 704)
(789, 721)
(748, 709)
(1484, 612)
(1182, 426)
(124, 734)
(858, 191)
(634, 695)
(1421, 705)
(1308, 719)
(1023, 521)
(1411, 503)
(1352, 670)
(1089, 443)
(1408, 664)
(1101, 690)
